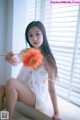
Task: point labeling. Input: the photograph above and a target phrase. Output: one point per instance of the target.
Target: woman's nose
(35, 38)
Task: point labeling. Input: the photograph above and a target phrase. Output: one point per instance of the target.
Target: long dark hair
(45, 48)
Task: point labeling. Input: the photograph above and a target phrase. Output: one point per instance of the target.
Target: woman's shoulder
(50, 70)
(47, 64)
(24, 50)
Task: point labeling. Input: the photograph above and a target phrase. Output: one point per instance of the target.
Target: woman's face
(35, 37)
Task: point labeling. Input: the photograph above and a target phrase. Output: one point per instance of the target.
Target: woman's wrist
(56, 112)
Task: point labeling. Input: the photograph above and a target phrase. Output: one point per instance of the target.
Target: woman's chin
(36, 46)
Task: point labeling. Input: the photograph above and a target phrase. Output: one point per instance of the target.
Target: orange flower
(32, 58)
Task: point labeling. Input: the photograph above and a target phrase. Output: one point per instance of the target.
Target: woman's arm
(14, 59)
(52, 91)
(53, 96)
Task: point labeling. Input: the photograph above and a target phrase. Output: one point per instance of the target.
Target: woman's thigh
(25, 95)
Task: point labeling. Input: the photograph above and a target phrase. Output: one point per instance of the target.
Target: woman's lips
(36, 43)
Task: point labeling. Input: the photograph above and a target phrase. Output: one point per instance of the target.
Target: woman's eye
(37, 34)
(30, 35)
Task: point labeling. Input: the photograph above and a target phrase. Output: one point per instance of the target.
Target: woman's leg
(2, 94)
(17, 90)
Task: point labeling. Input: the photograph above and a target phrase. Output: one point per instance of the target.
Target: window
(62, 23)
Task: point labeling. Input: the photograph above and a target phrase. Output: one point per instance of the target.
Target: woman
(33, 86)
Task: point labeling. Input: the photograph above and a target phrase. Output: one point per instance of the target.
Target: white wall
(12, 33)
(19, 25)
(6, 26)
(12, 37)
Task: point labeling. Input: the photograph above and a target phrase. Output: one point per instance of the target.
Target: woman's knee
(9, 84)
(10, 87)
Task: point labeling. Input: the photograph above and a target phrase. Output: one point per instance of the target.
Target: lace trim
(51, 80)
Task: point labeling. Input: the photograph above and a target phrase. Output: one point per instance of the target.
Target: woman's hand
(56, 117)
(11, 58)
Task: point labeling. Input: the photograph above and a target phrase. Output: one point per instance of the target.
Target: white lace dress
(37, 80)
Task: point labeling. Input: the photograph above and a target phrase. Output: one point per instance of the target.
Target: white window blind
(75, 76)
(34, 10)
(63, 29)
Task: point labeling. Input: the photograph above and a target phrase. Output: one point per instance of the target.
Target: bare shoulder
(50, 70)
(23, 50)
